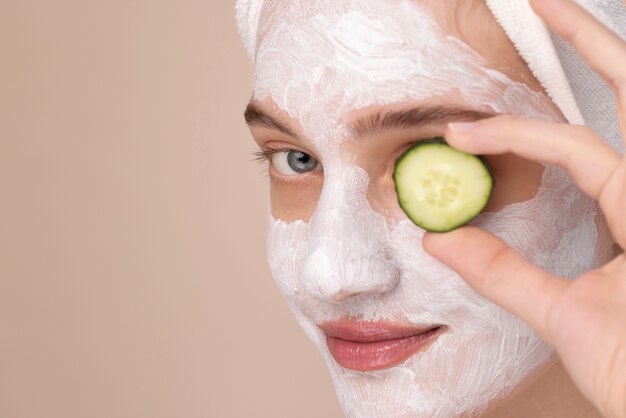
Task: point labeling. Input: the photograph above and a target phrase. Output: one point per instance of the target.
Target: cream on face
(319, 61)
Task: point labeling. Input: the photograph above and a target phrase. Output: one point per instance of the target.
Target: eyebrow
(414, 118)
(377, 122)
(256, 116)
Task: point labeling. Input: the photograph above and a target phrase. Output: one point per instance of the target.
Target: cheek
(382, 197)
(291, 201)
(517, 180)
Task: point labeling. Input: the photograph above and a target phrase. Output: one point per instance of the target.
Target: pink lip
(367, 346)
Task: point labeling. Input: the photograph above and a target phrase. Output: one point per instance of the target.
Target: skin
(518, 174)
(585, 320)
(377, 153)
(469, 21)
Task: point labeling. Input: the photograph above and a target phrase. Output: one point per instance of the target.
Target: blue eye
(291, 163)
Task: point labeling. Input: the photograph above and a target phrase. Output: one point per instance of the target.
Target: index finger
(587, 158)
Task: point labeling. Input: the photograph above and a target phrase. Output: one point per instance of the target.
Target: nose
(340, 283)
(347, 253)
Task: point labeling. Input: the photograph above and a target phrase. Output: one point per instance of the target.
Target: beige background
(133, 281)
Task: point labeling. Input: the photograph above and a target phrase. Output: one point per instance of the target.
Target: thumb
(498, 273)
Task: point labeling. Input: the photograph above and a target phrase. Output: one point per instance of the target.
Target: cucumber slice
(441, 188)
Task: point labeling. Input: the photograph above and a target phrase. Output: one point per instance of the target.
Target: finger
(587, 158)
(613, 202)
(602, 48)
(498, 273)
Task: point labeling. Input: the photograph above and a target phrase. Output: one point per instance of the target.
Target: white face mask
(319, 61)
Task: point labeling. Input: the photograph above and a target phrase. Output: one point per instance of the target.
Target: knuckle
(507, 119)
(586, 133)
(619, 83)
(493, 268)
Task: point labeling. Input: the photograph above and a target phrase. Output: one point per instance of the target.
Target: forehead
(373, 39)
(354, 44)
(319, 61)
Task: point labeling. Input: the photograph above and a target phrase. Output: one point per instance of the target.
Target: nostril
(330, 292)
(342, 296)
(339, 294)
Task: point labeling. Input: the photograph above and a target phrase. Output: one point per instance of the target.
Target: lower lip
(365, 356)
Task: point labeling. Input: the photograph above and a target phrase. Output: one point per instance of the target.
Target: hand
(584, 319)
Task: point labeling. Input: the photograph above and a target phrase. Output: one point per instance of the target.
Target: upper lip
(371, 331)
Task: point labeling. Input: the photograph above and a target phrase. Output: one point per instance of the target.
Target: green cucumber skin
(471, 216)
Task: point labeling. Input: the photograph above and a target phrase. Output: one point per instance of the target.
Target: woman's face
(341, 90)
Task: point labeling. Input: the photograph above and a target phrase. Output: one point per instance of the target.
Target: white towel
(247, 16)
(582, 96)
(577, 90)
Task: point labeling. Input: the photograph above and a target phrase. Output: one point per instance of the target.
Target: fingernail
(461, 127)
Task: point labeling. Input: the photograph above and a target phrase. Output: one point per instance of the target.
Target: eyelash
(264, 155)
(265, 152)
